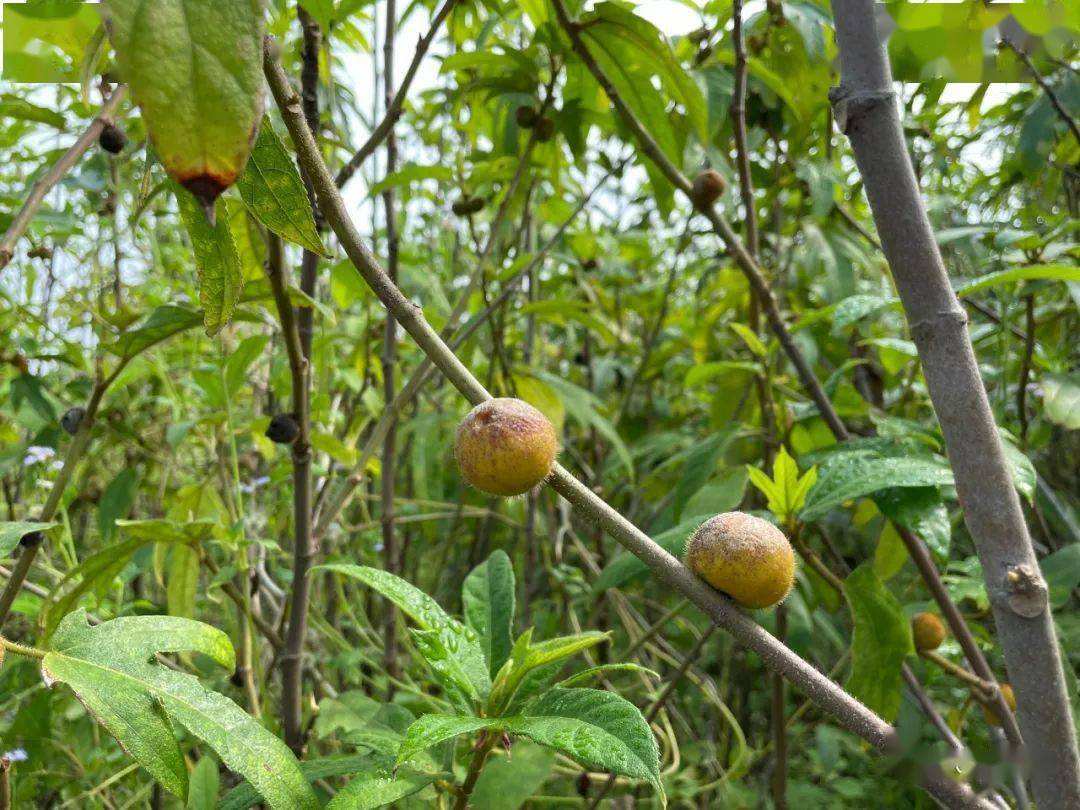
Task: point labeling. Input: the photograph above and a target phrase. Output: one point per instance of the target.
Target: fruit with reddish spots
(744, 556)
(283, 429)
(993, 717)
(927, 630)
(707, 188)
(505, 446)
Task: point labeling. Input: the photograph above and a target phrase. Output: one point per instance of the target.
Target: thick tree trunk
(865, 109)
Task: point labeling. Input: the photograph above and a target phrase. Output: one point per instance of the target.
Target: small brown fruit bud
(112, 139)
(589, 264)
(745, 557)
(283, 429)
(993, 717)
(526, 116)
(545, 129)
(708, 186)
(40, 252)
(71, 420)
(505, 446)
(927, 630)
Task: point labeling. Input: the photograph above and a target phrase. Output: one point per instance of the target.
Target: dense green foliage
(456, 640)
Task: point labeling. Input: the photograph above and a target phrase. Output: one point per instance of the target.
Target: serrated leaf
(195, 70)
(11, 532)
(880, 641)
(273, 192)
(460, 657)
(109, 668)
(221, 277)
(845, 475)
(487, 597)
(379, 789)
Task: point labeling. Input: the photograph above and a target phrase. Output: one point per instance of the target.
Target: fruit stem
(984, 690)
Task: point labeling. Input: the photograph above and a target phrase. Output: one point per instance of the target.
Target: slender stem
(476, 765)
(1025, 367)
(55, 174)
(666, 568)
(393, 109)
(778, 782)
(865, 108)
(21, 649)
(1055, 102)
(390, 538)
(985, 690)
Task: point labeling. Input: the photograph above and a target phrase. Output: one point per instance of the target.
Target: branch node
(927, 329)
(1025, 590)
(848, 105)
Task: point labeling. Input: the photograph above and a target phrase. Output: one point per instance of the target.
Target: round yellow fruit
(746, 557)
(990, 710)
(927, 630)
(505, 446)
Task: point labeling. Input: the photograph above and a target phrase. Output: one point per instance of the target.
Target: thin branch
(666, 568)
(55, 174)
(1055, 102)
(393, 110)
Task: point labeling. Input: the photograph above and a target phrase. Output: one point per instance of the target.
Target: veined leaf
(244, 796)
(1057, 272)
(379, 789)
(220, 275)
(845, 476)
(110, 670)
(459, 656)
(11, 532)
(163, 323)
(881, 640)
(195, 70)
(488, 600)
(273, 192)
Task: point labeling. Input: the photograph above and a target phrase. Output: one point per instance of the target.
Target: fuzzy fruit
(526, 116)
(283, 429)
(745, 557)
(708, 186)
(505, 446)
(112, 139)
(927, 630)
(71, 420)
(990, 710)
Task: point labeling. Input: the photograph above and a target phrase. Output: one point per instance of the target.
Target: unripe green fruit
(744, 556)
(708, 186)
(505, 446)
(927, 630)
(990, 710)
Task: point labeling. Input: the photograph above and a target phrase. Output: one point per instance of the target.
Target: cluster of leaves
(630, 333)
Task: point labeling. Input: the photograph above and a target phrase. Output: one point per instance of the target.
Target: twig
(55, 174)
(1059, 108)
(666, 568)
(393, 110)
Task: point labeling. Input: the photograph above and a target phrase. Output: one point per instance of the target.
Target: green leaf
(584, 406)
(236, 367)
(592, 672)
(110, 670)
(699, 467)
(506, 783)
(195, 70)
(487, 597)
(203, 785)
(11, 532)
(597, 729)
(456, 648)
(116, 501)
(244, 796)
(880, 642)
(1062, 573)
(220, 274)
(1056, 272)
(273, 192)
(1061, 399)
(752, 341)
(96, 572)
(890, 554)
(163, 323)
(379, 789)
(920, 510)
(847, 475)
(182, 581)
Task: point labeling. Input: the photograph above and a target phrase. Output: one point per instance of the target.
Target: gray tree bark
(865, 109)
